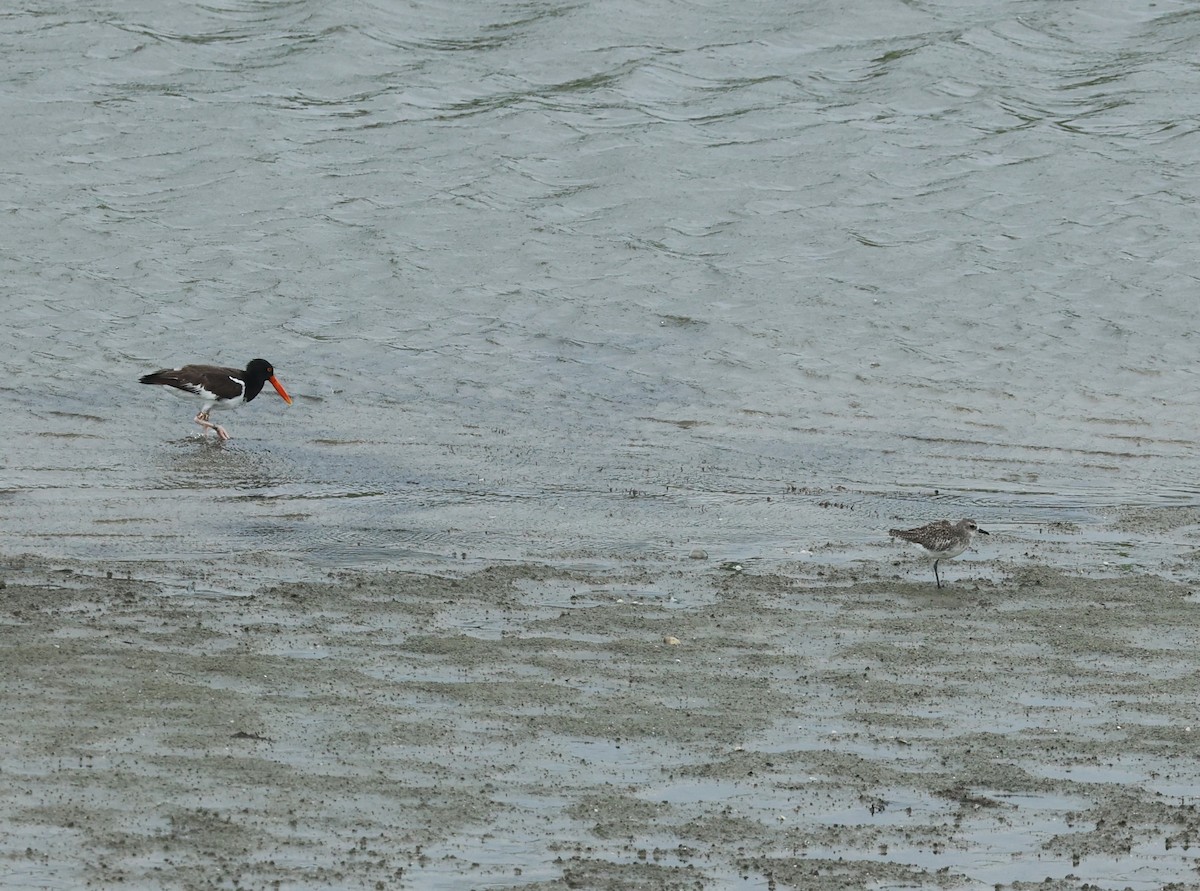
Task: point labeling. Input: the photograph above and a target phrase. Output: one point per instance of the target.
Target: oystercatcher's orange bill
(280, 390)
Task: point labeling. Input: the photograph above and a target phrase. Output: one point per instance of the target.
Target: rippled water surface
(593, 280)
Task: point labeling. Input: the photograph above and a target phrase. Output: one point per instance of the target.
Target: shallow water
(595, 282)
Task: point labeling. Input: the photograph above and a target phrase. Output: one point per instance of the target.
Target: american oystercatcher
(223, 388)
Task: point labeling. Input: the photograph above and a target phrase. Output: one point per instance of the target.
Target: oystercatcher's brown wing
(224, 383)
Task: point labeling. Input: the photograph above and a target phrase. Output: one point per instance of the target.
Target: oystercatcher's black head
(259, 372)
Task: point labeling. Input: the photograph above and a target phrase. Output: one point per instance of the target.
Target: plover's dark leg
(935, 575)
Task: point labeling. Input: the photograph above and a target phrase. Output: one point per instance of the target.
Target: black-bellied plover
(942, 540)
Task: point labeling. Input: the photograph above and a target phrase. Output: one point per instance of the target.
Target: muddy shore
(653, 728)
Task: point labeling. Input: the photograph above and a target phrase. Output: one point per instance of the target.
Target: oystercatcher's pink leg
(203, 421)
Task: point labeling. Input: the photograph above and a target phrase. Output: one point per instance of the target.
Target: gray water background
(594, 282)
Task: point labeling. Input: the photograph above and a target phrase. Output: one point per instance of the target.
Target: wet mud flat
(645, 728)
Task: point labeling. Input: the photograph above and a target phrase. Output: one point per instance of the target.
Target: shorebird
(942, 540)
(224, 388)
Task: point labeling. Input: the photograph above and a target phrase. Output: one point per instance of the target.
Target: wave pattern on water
(522, 266)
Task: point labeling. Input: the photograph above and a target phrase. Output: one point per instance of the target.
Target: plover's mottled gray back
(942, 540)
